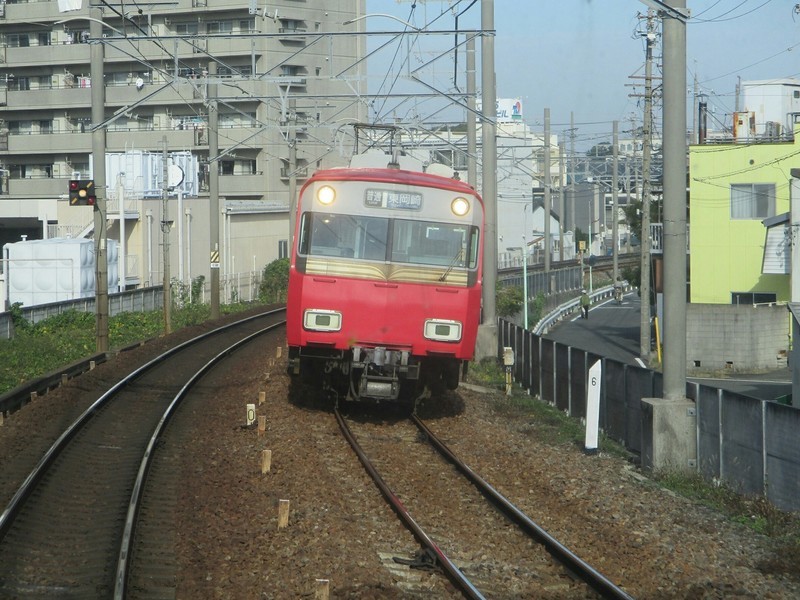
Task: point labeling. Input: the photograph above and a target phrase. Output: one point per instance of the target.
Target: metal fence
(239, 287)
(749, 444)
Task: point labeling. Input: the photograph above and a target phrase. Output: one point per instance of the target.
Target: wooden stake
(267, 375)
(266, 461)
(322, 590)
(280, 351)
(2, 418)
(34, 395)
(92, 365)
(64, 378)
(262, 424)
(283, 514)
(262, 396)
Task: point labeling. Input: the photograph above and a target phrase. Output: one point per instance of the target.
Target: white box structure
(54, 270)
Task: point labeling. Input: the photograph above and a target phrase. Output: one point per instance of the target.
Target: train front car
(385, 282)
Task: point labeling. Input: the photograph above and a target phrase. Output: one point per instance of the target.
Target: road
(612, 330)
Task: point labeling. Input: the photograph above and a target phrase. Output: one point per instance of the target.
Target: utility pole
(487, 333)
(165, 227)
(292, 120)
(674, 49)
(472, 163)
(561, 166)
(213, 185)
(573, 220)
(548, 184)
(615, 203)
(647, 140)
(98, 96)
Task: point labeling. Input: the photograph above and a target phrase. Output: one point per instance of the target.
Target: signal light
(82, 192)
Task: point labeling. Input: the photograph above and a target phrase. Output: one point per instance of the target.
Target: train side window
(473, 248)
(305, 226)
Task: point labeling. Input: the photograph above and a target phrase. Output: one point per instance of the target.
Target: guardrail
(549, 320)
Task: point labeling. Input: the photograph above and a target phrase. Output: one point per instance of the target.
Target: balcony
(77, 142)
(290, 35)
(657, 238)
(300, 172)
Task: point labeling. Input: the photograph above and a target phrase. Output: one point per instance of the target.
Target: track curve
(61, 532)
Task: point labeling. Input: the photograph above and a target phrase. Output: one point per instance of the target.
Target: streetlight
(388, 16)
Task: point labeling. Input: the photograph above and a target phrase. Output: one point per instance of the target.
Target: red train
(385, 282)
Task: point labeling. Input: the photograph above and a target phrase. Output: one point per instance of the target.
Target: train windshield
(448, 245)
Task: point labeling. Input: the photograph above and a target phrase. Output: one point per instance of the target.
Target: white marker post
(593, 408)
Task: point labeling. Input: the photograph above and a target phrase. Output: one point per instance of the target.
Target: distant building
(278, 93)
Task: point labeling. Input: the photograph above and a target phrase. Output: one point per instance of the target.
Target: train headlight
(460, 206)
(316, 319)
(326, 195)
(441, 330)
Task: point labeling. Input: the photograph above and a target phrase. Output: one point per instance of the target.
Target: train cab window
(344, 236)
(428, 243)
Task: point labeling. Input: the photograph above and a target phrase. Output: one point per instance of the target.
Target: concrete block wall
(730, 338)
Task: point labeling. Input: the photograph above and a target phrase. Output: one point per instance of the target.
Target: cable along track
(68, 530)
(496, 560)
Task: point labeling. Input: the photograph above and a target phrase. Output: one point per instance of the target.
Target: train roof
(395, 176)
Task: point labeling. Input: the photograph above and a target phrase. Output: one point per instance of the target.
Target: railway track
(69, 530)
(486, 557)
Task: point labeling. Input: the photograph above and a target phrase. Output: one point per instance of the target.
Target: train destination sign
(393, 199)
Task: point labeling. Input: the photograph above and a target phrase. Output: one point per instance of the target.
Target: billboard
(509, 109)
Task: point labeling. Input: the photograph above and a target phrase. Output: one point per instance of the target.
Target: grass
(63, 339)
(555, 427)
(552, 425)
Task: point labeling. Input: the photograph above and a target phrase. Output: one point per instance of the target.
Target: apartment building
(288, 80)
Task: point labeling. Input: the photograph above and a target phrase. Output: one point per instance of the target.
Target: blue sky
(579, 55)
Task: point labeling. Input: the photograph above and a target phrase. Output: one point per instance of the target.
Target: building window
(18, 40)
(283, 248)
(752, 200)
(191, 28)
(219, 27)
(753, 298)
(20, 84)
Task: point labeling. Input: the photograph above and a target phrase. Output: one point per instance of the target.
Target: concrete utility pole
(292, 120)
(669, 424)
(213, 186)
(548, 185)
(674, 205)
(572, 171)
(472, 163)
(647, 139)
(487, 332)
(96, 57)
(561, 166)
(165, 227)
(615, 203)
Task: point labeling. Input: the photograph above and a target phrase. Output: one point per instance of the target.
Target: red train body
(385, 281)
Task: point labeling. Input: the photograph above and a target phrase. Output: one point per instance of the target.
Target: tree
(275, 282)
(601, 149)
(508, 300)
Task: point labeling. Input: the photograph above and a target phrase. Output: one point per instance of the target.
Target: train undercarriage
(375, 373)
